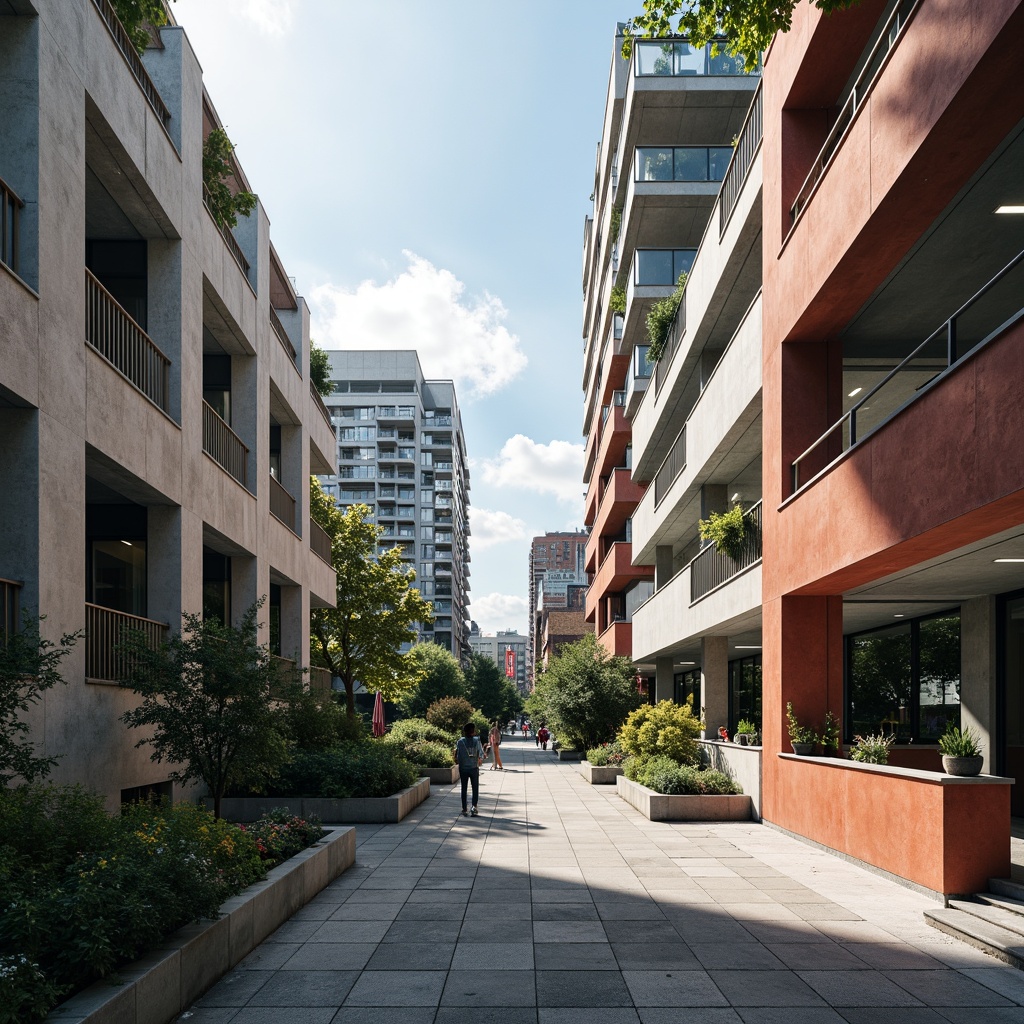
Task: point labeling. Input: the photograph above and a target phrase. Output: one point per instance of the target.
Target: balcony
(104, 630)
(681, 163)
(114, 335)
(282, 504)
(621, 496)
(10, 213)
(748, 144)
(396, 412)
(637, 379)
(711, 568)
(320, 542)
(229, 239)
(617, 639)
(437, 421)
(223, 445)
(614, 573)
(321, 407)
(286, 342)
(10, 609)
(676, 59)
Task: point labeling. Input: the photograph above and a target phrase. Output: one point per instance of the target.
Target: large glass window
(745, 691)
(904, 680)
(686, 686)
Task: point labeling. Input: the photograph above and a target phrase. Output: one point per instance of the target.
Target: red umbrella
(378, 716)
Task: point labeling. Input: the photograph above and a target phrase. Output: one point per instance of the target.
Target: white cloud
(457, 337)
(491, 528)
(499, 611)
(271, 17)
(555, 468)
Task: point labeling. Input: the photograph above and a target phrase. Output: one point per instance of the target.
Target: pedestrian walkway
(560, 904)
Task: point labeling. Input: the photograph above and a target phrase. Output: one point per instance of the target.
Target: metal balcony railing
(223, 445)
(676, 331)
(319, 541)
(10, 213)
(229, 239)
(674, 464)
(319, 403)
(282, 334)
(282, 504)
(971, 326)
(132, 59)
(747, 145)
(711, 567)
(10, 609)
(123, 343)
(104, 630)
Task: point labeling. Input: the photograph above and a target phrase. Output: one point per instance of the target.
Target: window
(426, 533)
(427, 497)
(357, 412)
(359, 454)
(686, 686)
(904, 680)
(357, 472)
(354, 494)
(745, 691)
(358, 433)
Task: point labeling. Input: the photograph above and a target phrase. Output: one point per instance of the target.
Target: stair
(992, 921)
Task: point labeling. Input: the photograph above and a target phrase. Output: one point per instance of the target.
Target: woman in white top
(494, 739)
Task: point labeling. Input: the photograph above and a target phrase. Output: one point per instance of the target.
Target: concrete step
(1006, 887)
(1005, 919)
(1011, 906)
(1000, 942)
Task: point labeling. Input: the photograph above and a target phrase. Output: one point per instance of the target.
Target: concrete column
(662, 565)
(714, 682)
(978, 706)
(163, 566)
(245, 589)
(664, 679)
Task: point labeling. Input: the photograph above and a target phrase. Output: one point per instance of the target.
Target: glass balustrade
(682, 163)
(678, 59)
(661, 267)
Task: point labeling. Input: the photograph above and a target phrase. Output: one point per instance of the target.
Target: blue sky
(426, 168)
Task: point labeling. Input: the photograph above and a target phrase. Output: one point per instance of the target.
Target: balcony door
(1010, 729)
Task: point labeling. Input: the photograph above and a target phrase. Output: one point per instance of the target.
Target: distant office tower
(401, 450)
(557, 563)
(506, 648)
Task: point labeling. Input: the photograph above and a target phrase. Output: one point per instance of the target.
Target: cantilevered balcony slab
(615, 573)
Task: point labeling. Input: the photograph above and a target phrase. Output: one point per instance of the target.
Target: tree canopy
(491, 690)
(320, 370)
(378, 606)
(440, 675)
(747, 26)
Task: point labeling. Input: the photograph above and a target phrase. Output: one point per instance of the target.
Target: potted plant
(801, 737)
(872, 749)
(829, 738)
(746, 732)
(961, 751)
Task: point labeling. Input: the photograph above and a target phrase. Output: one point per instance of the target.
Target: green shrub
(659, 320)
(665, 775)
(314, 721)
(279, 834)
(348, 770)
(872, 749)
(424, 753)
(955, 742)
(607, 755)
(451, 714)
(665, 728)
(420, 729)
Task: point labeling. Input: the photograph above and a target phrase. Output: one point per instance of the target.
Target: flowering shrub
(609, 755)
(280, 835)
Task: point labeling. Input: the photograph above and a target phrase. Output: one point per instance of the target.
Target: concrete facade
(157, 424)
(556, 573)
(495, 647)
(402, 451)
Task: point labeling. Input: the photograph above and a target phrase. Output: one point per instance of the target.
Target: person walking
(494, 738)
(543, 736)
(469, 752)
(526, 728)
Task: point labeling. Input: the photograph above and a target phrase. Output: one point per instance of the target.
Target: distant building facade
(557, 566)
(497, 648)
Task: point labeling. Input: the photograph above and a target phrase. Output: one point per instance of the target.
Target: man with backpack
(469, 752)
(543, 736)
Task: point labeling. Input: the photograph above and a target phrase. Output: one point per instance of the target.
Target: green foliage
(29, 665)
(320, 370)
(748, 25)
(798, 733)
(955, 742)
(218, 172)
(206, 696)
(136, 15)
(439, 674)
(420, 729)
(423, 753)
(313, 721)
(377, 609)
(664, 774)
(665, 728)
(616, 223)
(84, 892)
(745, 727)
(607, 755)
(659, 320)
(728, 530)
(617, 300)
(452, 713)
(588, 693)
(872, 749)
(366, 769)
(279, 834)
(536, 703)
(490, 690)
(829, 736)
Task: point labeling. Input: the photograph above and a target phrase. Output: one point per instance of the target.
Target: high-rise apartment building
(401, 450)
(157, 423)
(557, 563)
(671, 114)
(498, 647)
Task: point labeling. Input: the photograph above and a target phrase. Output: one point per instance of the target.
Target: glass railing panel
(641, 367)
(680, 59)
(661, 267)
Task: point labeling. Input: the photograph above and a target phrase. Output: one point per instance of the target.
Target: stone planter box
(568, 755)
(380, 810)
(169, 979)
(599, 775)
(659, 807)
(442, 776)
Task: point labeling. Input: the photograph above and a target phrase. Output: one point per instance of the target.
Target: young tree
(589, 693)
(207, 696)
(377, 606)
(29, 664)
(491, 690)
(320, 370)
(440, 675)
(747, 25)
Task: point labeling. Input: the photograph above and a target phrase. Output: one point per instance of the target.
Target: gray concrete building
(496, 647)
(402, 451)
(157, 425)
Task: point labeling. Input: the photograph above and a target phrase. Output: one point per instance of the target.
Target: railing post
(950, 341)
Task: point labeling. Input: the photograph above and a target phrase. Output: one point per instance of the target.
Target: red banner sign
(510, 663)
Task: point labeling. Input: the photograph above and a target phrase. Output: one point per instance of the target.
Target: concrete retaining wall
(381, 810)
(442, 776)
(599, 775)
(659, 807)
(157, 988)
(742, 764)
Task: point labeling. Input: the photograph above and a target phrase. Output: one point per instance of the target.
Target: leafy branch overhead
(747, 26)
(137, 16)
(218, 170)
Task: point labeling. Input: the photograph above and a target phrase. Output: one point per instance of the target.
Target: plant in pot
(746, 732)
(727, 530)
(961, 751)
(829, 738)
(872, 749)
(801, 737)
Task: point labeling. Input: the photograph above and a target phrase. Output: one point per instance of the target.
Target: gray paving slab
(560, 904)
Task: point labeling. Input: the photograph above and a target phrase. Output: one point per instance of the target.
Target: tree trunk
(350, 697)
(218, 795)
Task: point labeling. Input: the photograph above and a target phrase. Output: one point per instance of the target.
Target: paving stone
(350, 931)
(567, 956)
(582, 988)
(694, 1015)
(412, 956)
(569, 931)
(648, 931)
(504, 956)
(857, 988)
(766, 988)
(673, 988)
(565, 912)
(235, 989)
(499, 989)
(284, 1015)
(423, 931)
(736, 956)
(641, 956)
(384, 1015)
(819, 956)
(946, 988)
(397, 988)
(330, 956)
(305, 988)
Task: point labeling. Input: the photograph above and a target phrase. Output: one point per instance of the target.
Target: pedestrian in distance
(526, 729)
(494, 739)
(543, 736)
(469, 752)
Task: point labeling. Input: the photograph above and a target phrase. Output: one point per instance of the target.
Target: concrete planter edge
(659, 807)
(599, 775)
